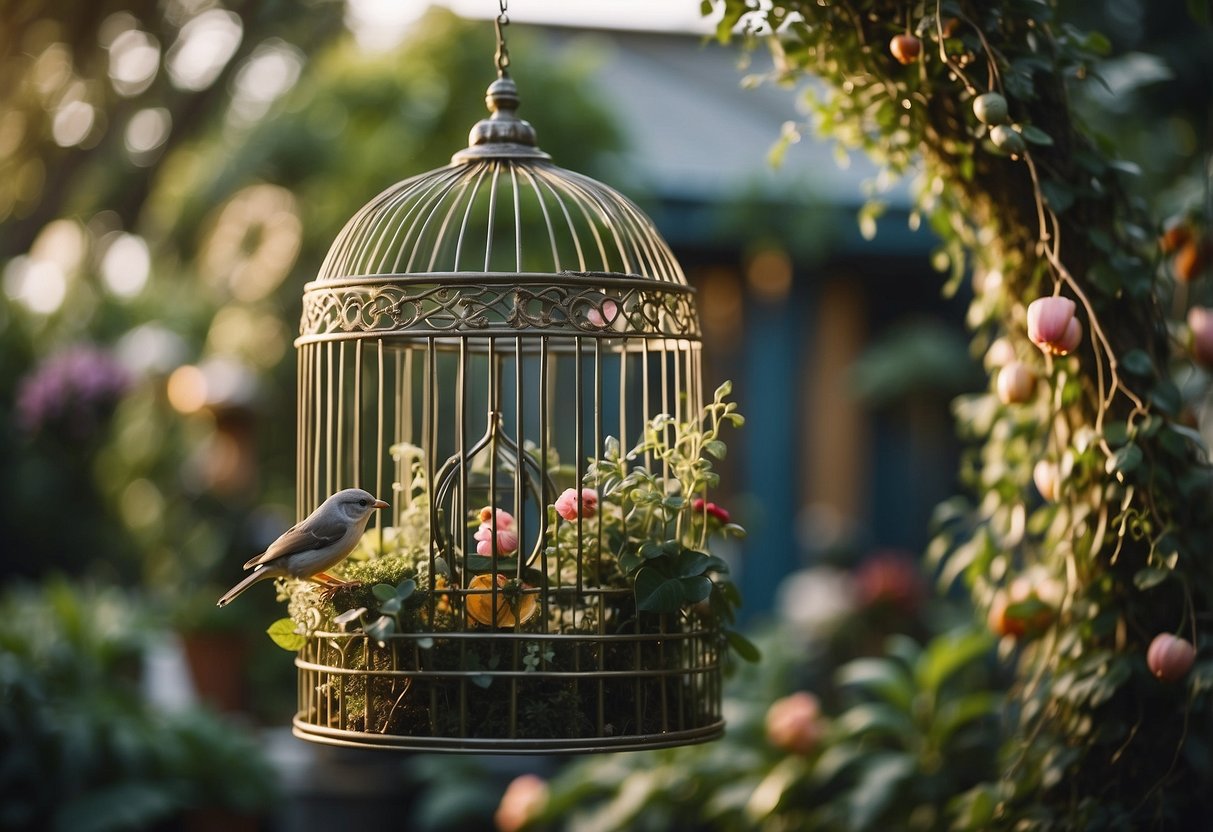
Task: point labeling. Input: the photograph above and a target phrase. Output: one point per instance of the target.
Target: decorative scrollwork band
(376, 308)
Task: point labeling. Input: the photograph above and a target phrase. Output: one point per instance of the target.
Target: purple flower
(71, 393)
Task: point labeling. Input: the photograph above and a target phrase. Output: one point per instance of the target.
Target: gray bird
(318, 543)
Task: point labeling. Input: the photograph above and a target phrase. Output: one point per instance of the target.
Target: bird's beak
(379, 504)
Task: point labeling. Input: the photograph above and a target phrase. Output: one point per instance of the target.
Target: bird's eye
(362, 503)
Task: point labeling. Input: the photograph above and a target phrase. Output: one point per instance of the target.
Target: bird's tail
(257, 575)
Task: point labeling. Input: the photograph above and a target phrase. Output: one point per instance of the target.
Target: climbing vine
(1086, 536)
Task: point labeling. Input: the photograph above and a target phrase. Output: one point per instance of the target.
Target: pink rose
(507, 541)
(567, 507)
(1052, 325)
(700, 506)
(504, 520)
(507, 536)
(524, 798)
(603, 315)
(1200, 321)
(794, 723)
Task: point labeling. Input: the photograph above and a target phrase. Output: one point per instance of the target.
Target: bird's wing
(301, 538)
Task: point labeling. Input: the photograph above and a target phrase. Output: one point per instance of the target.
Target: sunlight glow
(126, 265)
(205, 45)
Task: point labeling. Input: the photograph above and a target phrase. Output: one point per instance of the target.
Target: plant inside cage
(607, 624)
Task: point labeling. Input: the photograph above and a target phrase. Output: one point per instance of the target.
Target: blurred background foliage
(171, 174)
(165, 201)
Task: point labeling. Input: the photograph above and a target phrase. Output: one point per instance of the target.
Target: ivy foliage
(1090, 496)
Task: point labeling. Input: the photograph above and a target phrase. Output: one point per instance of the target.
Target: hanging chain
(503, 53)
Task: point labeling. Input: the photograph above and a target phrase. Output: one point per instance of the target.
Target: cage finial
(503, 135)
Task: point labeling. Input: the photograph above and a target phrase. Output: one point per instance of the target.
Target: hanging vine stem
(1050, 246)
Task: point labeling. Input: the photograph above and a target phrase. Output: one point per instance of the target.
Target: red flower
(700, 506)
(890, 578)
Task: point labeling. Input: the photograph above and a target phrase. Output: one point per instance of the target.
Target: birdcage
(487, 341)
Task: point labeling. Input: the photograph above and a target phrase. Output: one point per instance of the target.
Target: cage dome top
(504, 241)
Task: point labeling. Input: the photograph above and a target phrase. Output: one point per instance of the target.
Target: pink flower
(566, 504)
(700, 506)
(1000, 354)
(524, 798)
(507, 537)
(1052, 325)
(1200, 321)
(1170, 657)
(603, 315)
(1016, 382)
(507, 541)
(1047, 479)
(505, 520)
(794, 723)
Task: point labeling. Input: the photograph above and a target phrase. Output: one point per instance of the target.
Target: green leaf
(406, 588)
(691, 563)
(723, 391)
(1126, 460)
(483, 563)
(1167, 396)
(1149, 577)
(383, 592)
(876, 787)
(716, 448)
(975, 808)
(629, 562)
(282, 632)
(876, 718)
(1035, 135)
(657, 593)
(955, 714)
(1098, 43)
(1116, 433)
(1137, 362)
(381, 628)
(1059, 195)
(886, 678)
(837, 760)
(391, 606)
(742, 646)
(695, 589)
(650, 550)
(947, 654)
(732, 15)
